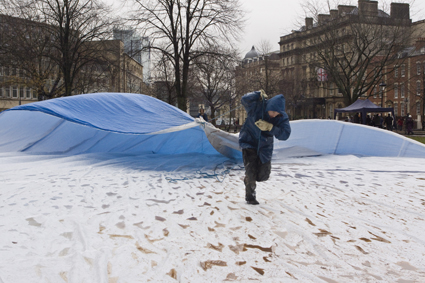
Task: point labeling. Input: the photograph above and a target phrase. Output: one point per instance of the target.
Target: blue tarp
(129, 123)
(101, 122)
(114, 112)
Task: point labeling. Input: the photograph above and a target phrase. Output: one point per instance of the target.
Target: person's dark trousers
(255, 171)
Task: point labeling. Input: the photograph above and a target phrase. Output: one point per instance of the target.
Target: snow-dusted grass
(116, 218)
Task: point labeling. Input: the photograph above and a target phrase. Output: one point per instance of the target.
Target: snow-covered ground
(117, 218)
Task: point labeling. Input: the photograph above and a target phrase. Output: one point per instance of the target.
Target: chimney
(322, 18)
(345, 9)
(334, 14)
(400, 11)
(308, 23)
(368, 8)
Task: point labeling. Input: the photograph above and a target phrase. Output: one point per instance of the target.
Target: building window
(395, 109)
(14, 71)
(1, 71)
(1, 92)
(395, 90)
(6, 71)
(418, 68)
(418, 108)
(34, 95)
(15, 92)
(418, 88)
(21, 92)
(28, 93)
(7, 91)
(375, 91)
(402, 90)
(395, 71)
(403, 71)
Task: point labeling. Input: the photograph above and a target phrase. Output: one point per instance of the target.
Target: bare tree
(263, 73)
(181, 29)
(65, 27)
(164, 79)
(73, 23)
(214, 79)
(356, 51)
(269, 77)
(27, 47)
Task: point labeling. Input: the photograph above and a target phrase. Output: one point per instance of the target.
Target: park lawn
(419, 139)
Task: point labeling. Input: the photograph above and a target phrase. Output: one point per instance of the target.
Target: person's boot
(250, 195)
(252, 200)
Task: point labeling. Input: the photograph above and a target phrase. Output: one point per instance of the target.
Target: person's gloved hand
(263, 95)
(263, 125)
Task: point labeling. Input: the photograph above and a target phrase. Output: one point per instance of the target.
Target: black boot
(252, 201)
(250, 195)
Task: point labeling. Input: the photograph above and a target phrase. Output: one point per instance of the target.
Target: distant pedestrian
(202, 114)
(389, 122)
(369, 121)
(377, 121)
(409, 125)
(400, 124)
(357, 119)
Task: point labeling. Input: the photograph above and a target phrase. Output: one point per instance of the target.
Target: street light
(382, 86)
(406, 100)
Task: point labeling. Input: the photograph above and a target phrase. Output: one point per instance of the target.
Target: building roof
(252, 53)
(355, 11)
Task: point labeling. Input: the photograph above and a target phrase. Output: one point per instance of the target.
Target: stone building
(110, 70)
(405, 84)
(137, 47)
(315, 93)
(258, 71)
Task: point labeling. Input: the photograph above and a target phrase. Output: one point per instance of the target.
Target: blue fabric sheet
(101, 122)
(122, 123)
(115, 112)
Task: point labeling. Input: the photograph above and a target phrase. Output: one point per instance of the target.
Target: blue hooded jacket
(251, 136)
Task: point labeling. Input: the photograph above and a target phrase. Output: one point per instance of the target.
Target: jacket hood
(276, 103)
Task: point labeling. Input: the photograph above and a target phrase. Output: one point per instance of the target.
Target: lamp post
(406, 100)
(382, 86)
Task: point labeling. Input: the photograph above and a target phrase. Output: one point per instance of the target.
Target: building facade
(316, 91)
(405, 83)
(258, 71)
(138, 48)
(313, 91)
(112, 71)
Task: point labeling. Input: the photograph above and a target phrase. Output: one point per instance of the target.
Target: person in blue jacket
(202, 114)
(266, 119)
